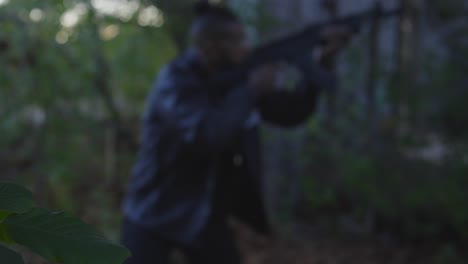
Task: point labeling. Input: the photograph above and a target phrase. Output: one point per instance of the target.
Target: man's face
(231, 49)
(235, 46)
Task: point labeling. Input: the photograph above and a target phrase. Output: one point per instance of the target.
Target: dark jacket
(200, 152)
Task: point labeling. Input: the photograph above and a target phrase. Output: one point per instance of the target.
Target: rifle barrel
(294, 46)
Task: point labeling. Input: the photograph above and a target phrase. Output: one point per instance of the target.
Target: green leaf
(3, 215)
(63, 239)
(14, 198)
(9, 256)
(4, 236)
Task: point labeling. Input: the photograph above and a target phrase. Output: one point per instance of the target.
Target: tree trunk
(406, 70)
(373, 67)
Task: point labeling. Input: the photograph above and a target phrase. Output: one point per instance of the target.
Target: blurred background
(379, 175)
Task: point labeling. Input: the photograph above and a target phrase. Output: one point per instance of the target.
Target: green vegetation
(56, 236)
(73, 80)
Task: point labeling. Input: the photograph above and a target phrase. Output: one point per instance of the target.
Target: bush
(55, 236)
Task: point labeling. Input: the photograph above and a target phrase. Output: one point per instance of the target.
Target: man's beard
(225, 65)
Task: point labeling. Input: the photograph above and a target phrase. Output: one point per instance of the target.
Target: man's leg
(218, 246)
(145, 246)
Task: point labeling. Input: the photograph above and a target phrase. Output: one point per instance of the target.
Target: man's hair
(210, 22)
(203, 9)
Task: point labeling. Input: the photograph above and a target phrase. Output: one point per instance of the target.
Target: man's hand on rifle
(333, 38)
(263, 79)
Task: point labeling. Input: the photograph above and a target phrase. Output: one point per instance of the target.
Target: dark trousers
(216, 246)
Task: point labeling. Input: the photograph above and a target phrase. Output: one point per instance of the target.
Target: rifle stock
(296, 46)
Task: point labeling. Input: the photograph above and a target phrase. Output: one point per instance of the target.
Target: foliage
(73, 74)
(54, 235)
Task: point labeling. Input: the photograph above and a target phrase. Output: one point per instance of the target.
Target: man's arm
(291, 108)
(195, 121)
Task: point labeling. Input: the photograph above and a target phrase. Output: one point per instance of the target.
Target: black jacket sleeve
(291, 108)
(183, 105)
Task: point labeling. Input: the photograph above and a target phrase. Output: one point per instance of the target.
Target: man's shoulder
(185, 64)
(179, 76)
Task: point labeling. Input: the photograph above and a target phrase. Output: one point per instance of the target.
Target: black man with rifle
(199, 161)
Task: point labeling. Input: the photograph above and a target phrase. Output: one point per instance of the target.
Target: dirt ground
(327, 251)
(324, 250)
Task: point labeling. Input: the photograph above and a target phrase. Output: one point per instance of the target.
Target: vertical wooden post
(331, 7)
(405, 73)
(373, 69)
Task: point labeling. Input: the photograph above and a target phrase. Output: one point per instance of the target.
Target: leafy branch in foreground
(55, 236)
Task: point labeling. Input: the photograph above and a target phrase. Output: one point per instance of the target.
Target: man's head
(219, 36)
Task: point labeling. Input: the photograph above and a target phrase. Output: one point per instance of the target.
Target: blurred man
(199, 161)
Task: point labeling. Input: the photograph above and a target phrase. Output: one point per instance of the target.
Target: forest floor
(328, 250)
(314, 250)
(320, 251)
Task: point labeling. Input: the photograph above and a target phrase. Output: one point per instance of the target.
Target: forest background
(385, 158)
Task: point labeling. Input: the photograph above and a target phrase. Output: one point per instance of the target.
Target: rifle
(294, 47)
